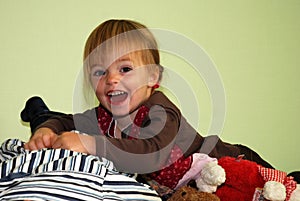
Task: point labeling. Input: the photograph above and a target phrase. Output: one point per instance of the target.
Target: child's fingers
(34, 144)
(71, 141)
(65, 140)
(26, 146)
(49, 139)
(43, 138)
(46, 140)
(57, 144)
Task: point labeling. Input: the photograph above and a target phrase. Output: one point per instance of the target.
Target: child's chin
(119, 112)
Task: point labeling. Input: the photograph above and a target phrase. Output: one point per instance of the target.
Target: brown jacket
(163, 128)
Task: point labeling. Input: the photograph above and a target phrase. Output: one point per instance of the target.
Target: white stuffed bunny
(206, 172)
(212, 175)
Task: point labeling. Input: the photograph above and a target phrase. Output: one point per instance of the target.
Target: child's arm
(75, 142)
(42, 138)
(47, 132)
(57, 124)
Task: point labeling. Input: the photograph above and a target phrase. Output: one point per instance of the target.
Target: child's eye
(125, 69)
(98, 73)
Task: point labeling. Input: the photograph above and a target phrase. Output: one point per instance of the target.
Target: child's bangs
(130, 43)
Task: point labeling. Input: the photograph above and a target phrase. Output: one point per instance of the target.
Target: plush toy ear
(274, 191)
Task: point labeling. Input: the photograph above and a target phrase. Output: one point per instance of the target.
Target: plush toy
(204, 175)
(247, 181)
(296, 175)
(187, 193)
(205, 171)
(36, 112)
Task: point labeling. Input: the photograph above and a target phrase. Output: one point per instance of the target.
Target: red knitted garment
(279, 176)
(176, 166)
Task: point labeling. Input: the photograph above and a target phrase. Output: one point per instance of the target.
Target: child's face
(123, 85)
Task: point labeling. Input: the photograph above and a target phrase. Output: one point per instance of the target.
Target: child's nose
(112, 78)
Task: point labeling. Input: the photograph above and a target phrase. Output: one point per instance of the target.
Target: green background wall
(255, 45)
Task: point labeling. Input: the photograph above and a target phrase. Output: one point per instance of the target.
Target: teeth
(116, 93)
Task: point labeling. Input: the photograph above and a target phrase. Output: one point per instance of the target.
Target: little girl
(135, 126)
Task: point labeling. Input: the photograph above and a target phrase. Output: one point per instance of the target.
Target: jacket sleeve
(59, 123)
(84, 122)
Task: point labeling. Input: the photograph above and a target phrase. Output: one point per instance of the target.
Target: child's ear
(153, 78)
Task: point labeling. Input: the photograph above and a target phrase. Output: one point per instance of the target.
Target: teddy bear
(247, 181)
(187, 193)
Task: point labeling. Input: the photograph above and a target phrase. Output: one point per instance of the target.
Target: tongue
(118, 98)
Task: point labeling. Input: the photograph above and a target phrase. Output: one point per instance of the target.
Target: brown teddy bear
(187, 193)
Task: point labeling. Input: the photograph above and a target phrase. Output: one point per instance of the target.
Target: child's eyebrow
(124, 59)
(101, 65)
(96, 66)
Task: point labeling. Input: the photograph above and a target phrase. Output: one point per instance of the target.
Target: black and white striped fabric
(58, 174)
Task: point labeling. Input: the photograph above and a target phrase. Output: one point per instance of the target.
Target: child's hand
(75, 142)
(42, 138)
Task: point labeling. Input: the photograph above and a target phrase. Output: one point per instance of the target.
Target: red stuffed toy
(248, 181)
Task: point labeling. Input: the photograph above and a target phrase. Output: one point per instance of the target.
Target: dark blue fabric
(14, 176)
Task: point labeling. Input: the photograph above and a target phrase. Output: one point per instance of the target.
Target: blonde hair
(136, 38)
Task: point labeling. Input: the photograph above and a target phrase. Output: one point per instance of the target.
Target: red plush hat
(242, 179)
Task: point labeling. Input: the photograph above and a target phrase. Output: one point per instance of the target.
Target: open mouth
(117, 97)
